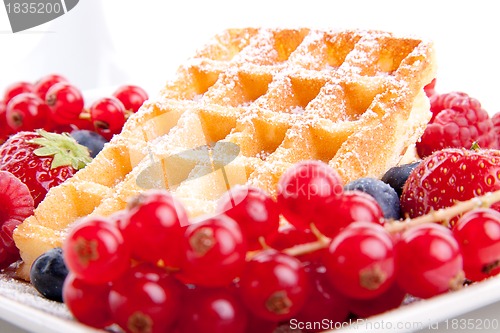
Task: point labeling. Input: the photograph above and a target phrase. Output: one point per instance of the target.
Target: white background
(104, 43)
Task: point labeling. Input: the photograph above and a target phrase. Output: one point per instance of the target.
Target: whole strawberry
(42, 160)
(448, 176)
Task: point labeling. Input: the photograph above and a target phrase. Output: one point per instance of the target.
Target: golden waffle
(242, 110)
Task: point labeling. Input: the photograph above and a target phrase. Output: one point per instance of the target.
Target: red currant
(66, 102)
(274, 285)
(360, 261)
(95, 251)
(145, 299)
(83, 123)
(214, 252)
(5, 129)
(390, 299)
(17, 89)
(43, 84)
(155, 227)
(212, 311)
(87, 302)
(478, 234)
(323, 302)
(27, 112)
(257, 324)
(429, 261)
(108, 116)
(304, 188)
(255, 211)
(132, 97)
(353, 206)
(288, 236)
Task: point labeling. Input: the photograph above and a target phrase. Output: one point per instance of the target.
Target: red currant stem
(85, 114)
(262, 242)
(445, 214)
(301, 249)
(318, 233)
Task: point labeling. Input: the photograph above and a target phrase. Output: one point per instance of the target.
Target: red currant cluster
(149, 268)
(54, 104)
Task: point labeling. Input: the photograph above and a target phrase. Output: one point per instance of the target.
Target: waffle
(241, 111)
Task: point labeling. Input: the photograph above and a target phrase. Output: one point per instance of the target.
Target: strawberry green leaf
(64, 149)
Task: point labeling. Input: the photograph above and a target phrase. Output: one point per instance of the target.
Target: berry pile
(56, 105)
(149, 268)
(458, 121)
(35, 156)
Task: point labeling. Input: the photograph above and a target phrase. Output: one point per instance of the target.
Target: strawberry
(16, 204)
(42, 160)
(450, 175)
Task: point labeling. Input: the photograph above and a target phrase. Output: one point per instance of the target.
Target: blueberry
(90, 139)
(48, 273)
(396, 176)
(385, 195)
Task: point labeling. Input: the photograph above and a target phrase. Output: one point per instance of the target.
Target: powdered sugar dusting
(26, 294)
(281, 95)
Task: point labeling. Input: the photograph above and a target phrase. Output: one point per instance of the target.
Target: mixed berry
(320, 250)
(342, 259)
(46, 136)
(35, 119)
(56, 105)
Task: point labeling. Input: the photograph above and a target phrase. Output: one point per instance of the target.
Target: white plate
(163, 34)
(475, 308)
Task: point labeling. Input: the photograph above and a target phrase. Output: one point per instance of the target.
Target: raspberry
(496, 126)
(16, 204)
(430, 89)
(458, 121)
